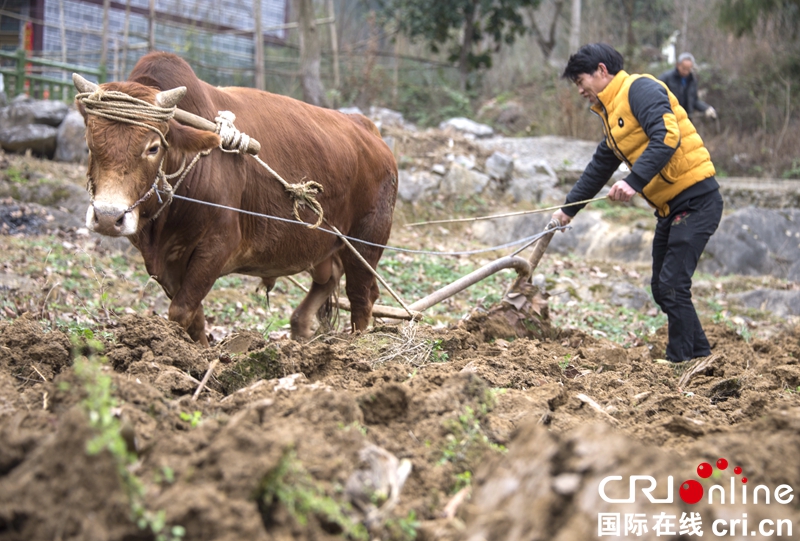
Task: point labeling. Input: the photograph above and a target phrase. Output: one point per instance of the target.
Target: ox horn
(169, 98)
(82, 84)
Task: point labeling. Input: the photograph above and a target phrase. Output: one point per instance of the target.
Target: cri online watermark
(692, 492)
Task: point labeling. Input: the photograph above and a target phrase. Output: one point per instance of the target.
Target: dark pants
(679, 240)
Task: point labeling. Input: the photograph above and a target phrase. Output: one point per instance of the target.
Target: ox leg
(326, 277)
(194, 321)
(202, 271)
(361, 288)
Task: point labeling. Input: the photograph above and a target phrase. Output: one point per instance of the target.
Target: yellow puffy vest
(691, 162)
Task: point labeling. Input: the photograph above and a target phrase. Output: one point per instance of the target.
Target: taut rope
(507, 214)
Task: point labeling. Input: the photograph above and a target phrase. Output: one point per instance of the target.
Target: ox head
(124, 158)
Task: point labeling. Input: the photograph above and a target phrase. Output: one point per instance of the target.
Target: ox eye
(153, 150)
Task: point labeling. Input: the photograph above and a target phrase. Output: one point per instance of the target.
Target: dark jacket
(686, 94)
(646, 128)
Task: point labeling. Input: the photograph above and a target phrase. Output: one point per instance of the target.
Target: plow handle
(536, 256)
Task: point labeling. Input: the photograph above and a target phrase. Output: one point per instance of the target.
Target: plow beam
(519, 264)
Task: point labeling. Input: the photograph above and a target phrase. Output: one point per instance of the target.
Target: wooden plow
(518, 296)
(513, 295)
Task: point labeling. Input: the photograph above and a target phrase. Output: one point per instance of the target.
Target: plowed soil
(336, 396)
(506, 437)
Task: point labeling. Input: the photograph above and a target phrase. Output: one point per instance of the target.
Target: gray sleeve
(594, 177)
(651, 107)
(700, 105)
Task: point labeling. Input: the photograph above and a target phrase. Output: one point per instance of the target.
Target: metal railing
(29, 77)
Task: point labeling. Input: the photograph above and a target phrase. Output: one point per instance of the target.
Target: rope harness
(122, 107)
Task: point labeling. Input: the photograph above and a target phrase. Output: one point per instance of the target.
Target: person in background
(682, 82)
(647, 129)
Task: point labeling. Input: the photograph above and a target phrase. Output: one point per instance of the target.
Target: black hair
(589, 57)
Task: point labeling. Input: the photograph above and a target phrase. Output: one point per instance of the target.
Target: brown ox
(189, 245)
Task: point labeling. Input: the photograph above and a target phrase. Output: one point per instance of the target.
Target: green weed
(100, 405)
(438, 354)
(15, 176)
(463, 479)
(355, 425)
(403, 529)
(293, 487)
(192, 418)
(466, 441)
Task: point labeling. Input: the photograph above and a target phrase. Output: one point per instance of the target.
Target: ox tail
(328, 313)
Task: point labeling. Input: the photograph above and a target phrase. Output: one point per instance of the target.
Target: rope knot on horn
(231, 139)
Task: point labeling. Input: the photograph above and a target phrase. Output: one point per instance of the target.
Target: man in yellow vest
(646, 128)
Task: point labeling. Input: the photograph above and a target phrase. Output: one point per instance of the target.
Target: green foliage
(15, 176)
(429, 104)
(618, 324)
(439, 21)
(100, 405)
(620, 213)
(438, 354)
(742, 16)
(83, 339)
(793, 172)
(463, 479)
(293, 487)
(192, 418)
(403, 529)
(165, 475)
(262, 364)
(467, 442)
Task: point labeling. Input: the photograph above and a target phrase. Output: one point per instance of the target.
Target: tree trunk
(575, 27)
(104, 49)
(151, 27)
(630, 42)
(548, 43)
(466, 44)
(125, 30)
(310, 80)
(683, 39)
(258, 37)
(334, 44)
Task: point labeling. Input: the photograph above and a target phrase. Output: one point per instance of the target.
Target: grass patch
(263, 364)
(100, 405)
(291, 486)
(618, 324)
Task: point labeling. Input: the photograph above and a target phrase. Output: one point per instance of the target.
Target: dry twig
(587, 400)
(205, 378)
(698, 368)
(455, 502)
(37, 371)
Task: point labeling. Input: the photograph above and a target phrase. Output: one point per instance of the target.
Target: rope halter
(122, 107)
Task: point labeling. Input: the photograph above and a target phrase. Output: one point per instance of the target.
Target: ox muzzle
(112, 219)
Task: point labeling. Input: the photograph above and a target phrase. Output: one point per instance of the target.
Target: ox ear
(190, 140)
(170, 98)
